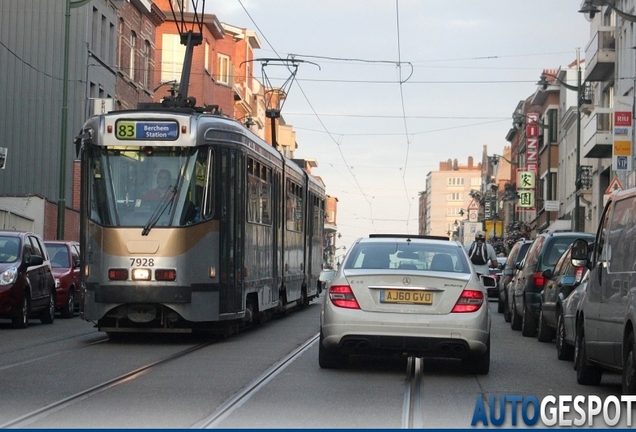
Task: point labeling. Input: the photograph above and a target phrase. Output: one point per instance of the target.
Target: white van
(606, 324)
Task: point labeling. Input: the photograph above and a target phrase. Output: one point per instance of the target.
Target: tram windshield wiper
(165, 202)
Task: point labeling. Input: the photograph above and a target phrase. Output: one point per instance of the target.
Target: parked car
(65, 263)
(606, 329)
(516, 255)
(525, 294)
(406, 295)
(27, 285)
(566, 321)
(560, 282)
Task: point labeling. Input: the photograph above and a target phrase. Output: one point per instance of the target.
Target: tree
(515, 231)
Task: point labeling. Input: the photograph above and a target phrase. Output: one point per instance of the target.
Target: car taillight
(342, 296)
(537, 279)
(469, 301)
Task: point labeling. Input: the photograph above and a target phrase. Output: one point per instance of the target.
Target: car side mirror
(35, 260)
(547, 273)
(579, 253)
(326, 275)
(488, 281)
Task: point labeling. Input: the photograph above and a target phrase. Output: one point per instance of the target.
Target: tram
(189, 221)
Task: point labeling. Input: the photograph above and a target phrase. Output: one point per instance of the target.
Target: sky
(388, 89)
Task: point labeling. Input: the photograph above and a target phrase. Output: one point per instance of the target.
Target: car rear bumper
(451, 336)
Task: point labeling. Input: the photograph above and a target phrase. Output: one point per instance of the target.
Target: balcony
(597, 134)
(600, 55)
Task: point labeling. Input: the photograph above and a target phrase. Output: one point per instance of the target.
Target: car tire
(69, 307)
(47, 316)
(329, 359)
(528, 323)
(21, 320)
(586, 374)
(629, 366)
(479, 365)
(515, 319)
(500, 305)
(545, 333)
(506, 312)
(564, 351)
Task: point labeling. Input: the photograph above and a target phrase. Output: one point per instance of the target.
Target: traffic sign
(474, 205)
(615, 184)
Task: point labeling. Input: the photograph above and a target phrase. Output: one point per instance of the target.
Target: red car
(27, 285)
(65, 263)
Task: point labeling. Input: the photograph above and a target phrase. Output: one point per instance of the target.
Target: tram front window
(132, 186)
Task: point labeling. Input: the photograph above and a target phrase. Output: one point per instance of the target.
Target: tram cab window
(131, 186)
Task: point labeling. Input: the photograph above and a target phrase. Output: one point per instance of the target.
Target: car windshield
(9, 249)
(59, 255)
(408, 255)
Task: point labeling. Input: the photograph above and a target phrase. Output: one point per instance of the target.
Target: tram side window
(294, 208)
(318, 217)
(258, 193)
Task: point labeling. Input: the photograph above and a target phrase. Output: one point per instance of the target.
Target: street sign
(474, 205)
(551, 205)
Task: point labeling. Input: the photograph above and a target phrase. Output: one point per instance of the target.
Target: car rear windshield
(407, 255)
(555, 249)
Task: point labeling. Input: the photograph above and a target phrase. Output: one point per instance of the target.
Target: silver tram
(191, 222)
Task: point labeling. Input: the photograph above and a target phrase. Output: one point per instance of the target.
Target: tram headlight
(212, 272)
(141, 274)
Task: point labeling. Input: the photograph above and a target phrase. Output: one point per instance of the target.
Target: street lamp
(590, 7)
(543, 83)
(61, 203)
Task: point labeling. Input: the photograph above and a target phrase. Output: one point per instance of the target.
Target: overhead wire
(404, 120)
(338, 144)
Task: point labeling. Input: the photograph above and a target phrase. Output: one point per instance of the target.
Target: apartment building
(448, 195)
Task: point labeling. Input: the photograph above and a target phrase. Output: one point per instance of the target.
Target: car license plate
(401, 296)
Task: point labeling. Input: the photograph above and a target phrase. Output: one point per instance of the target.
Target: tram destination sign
(146, 130)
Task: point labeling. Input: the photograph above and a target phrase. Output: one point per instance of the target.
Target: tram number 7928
(142, 262)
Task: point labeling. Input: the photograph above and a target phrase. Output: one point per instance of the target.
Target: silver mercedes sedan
(406, 295)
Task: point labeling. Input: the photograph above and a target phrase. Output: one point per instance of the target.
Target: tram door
(231, 253)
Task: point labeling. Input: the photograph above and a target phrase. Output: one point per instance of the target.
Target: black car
(27, 284)
(560, 282)
(516, 255)
(524, 296)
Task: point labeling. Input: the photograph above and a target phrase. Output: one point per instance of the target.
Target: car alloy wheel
(564, 351)
(21, 320)
(69, 308)
(629, 366)
(586, 374)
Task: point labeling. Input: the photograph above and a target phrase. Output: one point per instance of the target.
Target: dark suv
(517, 253)
(27, 284)
(525, 294)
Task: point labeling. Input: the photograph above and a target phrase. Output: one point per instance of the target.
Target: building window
(131, 67)
(455, 181)
(206, 59)
(120, 44)
(475, 181)
(454, 196)
(172, 56)
(223, 69)
(146, 54)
